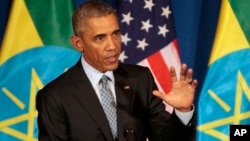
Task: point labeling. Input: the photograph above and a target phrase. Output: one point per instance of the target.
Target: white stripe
(171, 57)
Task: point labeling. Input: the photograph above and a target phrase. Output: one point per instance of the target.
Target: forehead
(109, 22)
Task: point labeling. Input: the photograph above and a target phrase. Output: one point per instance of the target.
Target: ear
(77, 43)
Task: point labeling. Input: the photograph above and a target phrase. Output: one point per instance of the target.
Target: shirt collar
(93, 74)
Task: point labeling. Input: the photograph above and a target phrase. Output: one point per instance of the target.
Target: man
(71, 106)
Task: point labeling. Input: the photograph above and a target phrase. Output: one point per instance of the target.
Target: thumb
(165, 97)
(158, 94)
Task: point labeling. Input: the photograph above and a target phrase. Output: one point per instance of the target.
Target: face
(100, 43)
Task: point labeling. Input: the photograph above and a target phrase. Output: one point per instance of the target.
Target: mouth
(112, 58)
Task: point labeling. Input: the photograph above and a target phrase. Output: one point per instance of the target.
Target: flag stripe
(146, 64)
(241, 10)
(229, 36)
(168, 56)
(53, 20)
(19, 14)
(226, 87)
(148, 38)
(171, 56)
(160, 70)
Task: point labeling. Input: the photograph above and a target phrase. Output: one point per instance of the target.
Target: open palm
(181, 95)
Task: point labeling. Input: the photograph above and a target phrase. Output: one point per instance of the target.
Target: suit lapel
(124, 97)
(87, 97)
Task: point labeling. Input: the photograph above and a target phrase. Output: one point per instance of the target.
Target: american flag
(148, 37)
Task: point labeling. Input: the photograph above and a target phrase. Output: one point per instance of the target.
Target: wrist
(185, 109)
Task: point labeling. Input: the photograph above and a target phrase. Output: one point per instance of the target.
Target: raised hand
(181, 95)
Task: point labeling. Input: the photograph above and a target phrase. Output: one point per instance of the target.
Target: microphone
(129, 132)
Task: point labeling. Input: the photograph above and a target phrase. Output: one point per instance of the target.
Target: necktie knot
(104, 79)
(104, 82)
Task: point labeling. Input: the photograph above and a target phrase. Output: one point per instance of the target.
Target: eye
(99, 38)
(117, 34)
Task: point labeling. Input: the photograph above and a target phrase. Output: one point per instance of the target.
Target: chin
(112, 67)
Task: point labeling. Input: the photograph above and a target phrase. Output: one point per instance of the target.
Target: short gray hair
(89, 9)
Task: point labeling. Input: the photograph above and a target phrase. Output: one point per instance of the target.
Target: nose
(111, 43)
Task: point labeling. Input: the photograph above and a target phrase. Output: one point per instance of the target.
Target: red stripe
(175, 42)
(160, 70)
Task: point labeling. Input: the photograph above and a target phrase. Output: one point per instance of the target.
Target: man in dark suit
(70, 107)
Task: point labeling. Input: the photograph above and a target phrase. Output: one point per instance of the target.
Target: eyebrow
(102, 34)
(99, 35)
(118, 30)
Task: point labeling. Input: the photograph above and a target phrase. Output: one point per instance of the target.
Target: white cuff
(185, 117)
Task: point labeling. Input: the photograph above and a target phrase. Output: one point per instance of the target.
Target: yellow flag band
(20, 28)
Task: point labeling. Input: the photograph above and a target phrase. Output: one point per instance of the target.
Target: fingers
(185, 75)
(173, 74)
(189, 75)
(194, 84)
(182, 72)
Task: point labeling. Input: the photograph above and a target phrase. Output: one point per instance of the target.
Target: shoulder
(132, 68)
(64, 81)
(133, 72)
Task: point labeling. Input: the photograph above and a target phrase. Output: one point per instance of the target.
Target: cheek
(118, 44)
(118, 40)
(96, 55)
(90, 54)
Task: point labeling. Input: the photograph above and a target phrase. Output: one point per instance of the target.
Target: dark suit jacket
(68, 109)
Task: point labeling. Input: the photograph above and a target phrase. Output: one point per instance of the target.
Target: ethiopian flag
(225, 96)
(36, 49)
